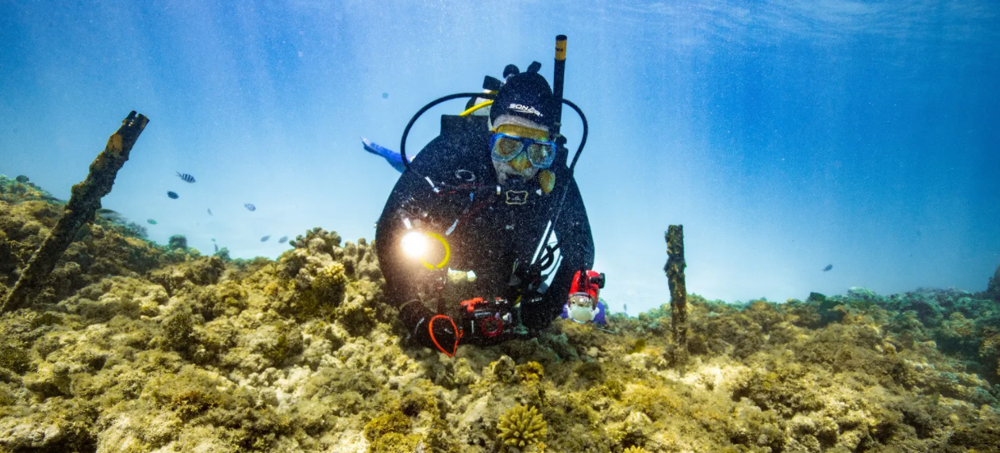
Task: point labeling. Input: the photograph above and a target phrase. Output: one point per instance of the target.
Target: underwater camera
(486, 318)
(588, 282)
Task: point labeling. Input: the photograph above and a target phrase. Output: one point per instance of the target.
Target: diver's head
(520, 147)
(521, 117)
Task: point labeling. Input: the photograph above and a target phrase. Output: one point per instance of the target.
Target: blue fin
(394, 158)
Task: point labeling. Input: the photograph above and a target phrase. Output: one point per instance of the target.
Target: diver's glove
(429, 329)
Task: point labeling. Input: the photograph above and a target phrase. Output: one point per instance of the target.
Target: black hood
(528, 96)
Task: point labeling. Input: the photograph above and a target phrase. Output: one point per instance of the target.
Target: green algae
(139, 348)
(14, 358)
(638, 346)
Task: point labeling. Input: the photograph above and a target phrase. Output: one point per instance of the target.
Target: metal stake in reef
(82, 206)
(678, 292)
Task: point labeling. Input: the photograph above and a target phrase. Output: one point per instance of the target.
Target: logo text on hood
(525, 109)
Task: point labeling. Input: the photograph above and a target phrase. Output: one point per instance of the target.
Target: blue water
(784, 136)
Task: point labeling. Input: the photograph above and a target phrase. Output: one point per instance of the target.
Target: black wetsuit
(451, 189)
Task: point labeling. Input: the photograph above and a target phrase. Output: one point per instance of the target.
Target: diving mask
(505, 147)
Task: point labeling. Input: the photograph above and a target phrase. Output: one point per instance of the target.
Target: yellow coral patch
(522, 426)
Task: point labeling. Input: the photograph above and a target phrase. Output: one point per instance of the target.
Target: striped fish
(186, 177)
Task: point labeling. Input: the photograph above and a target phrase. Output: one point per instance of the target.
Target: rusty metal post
(678, 292)
(993, 288)
(82, 206)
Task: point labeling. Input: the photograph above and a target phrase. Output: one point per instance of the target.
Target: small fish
(209, 211)
(213, 239)
(110, 215)
(21, 179)
(151, 221)
(625, 308)
(173, 195)
(216, 247)
(283, 239)
(828, 267)
(250, 207)
(265, 238)
(185, 177)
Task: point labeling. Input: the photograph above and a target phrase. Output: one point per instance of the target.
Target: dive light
(418, 245)
(415, 244)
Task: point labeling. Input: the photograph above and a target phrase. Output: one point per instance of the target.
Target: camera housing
(485, 320)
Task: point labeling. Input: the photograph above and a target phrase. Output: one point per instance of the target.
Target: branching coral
(634, 450)
(521, 426)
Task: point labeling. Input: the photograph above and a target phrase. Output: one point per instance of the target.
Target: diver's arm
(415, 206)
(401, 274)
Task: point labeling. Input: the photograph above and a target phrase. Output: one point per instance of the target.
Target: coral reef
(19, 190)
(135, 347)
(177, 241)
(103, 248)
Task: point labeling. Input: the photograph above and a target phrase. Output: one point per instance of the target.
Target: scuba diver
(578, 309)
(465, 240)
